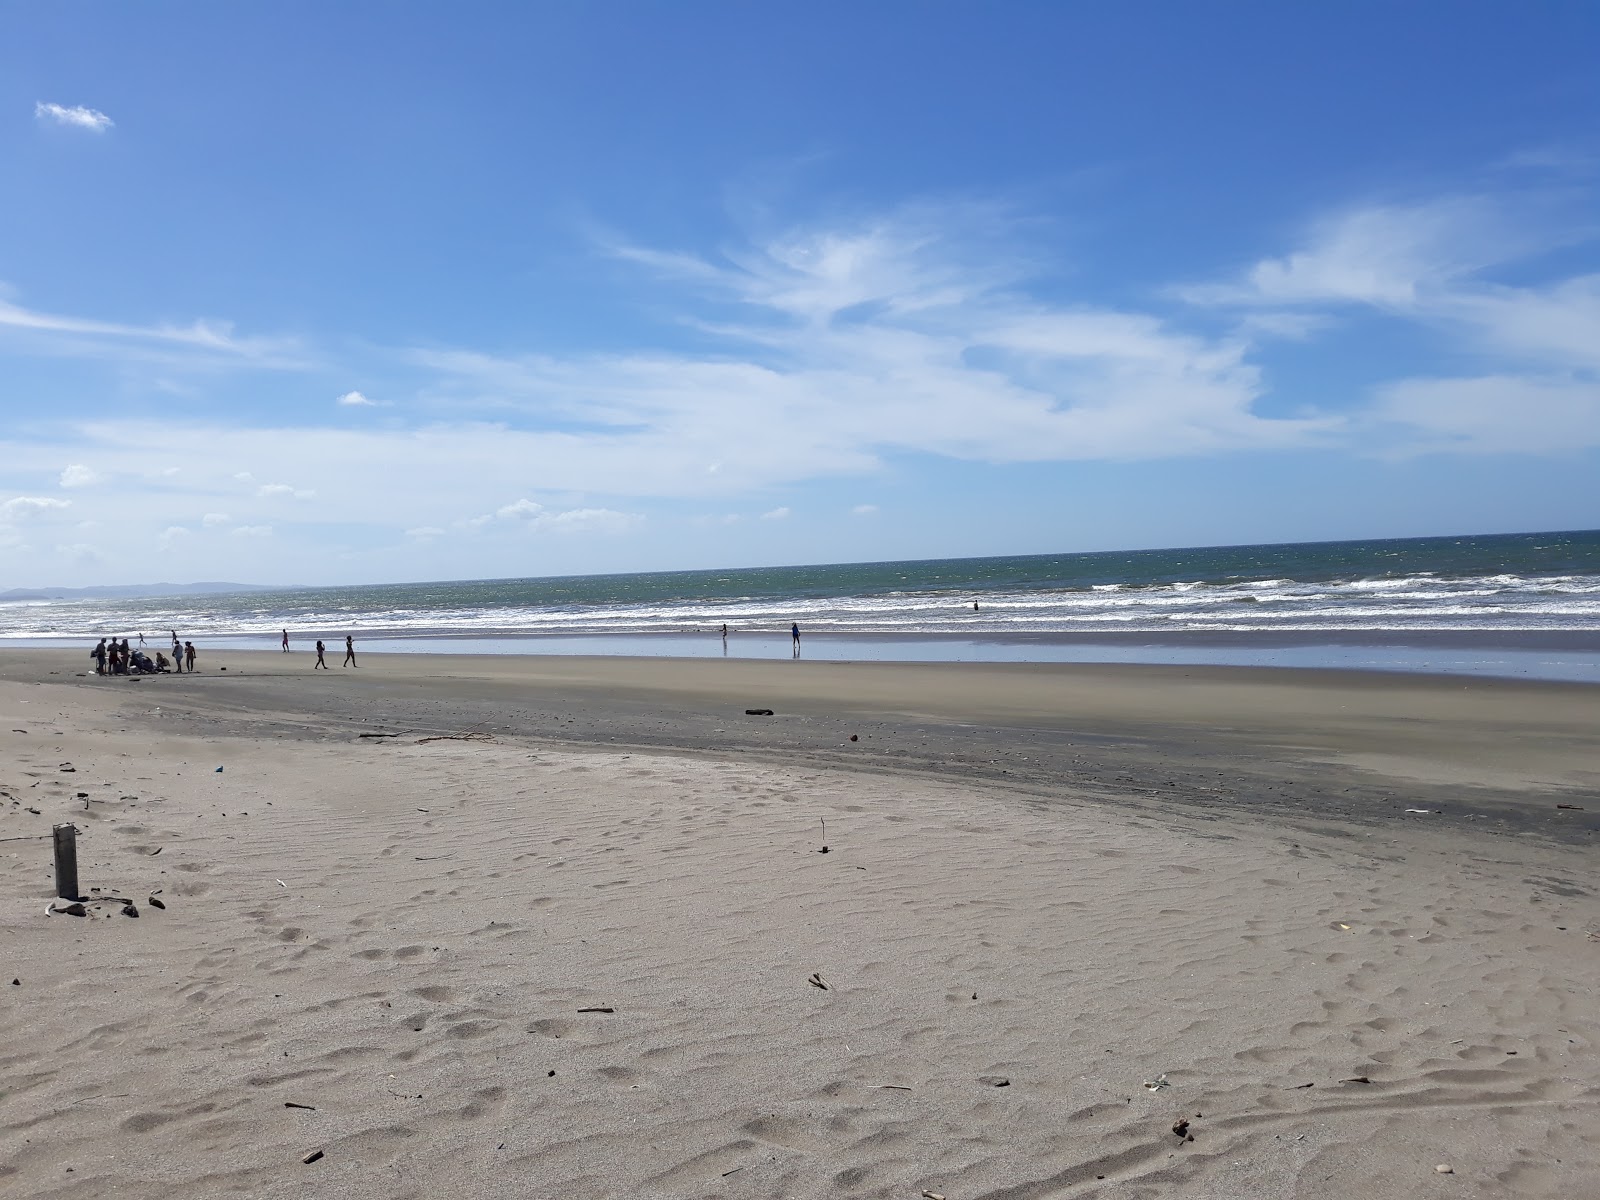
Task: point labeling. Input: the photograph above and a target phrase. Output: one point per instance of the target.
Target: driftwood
(457, 737)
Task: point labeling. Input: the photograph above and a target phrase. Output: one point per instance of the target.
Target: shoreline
(1568, 655)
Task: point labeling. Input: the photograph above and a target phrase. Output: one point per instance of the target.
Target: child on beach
(319, 662)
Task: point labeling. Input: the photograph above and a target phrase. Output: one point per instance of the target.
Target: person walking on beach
(141, 641)
(188, 655)
(319, 662)
(349, 651)
(286, 641)
(794, 633)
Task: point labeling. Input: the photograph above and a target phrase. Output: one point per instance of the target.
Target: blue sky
(365, 292)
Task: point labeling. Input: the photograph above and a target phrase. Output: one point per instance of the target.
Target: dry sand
(1074, 880)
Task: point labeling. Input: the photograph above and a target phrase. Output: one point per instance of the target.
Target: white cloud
(851, 345)
(536, 517)
(1494, 414)
(172, 535)
(75, 116)
(22, 508)
(590, 520)
(1430, 264)
(837, 350)
(251, 531)
(520, 510)
(355, 400)
(864, 510)
(776, 514)
(78, 475)
(1385, 255)
(81, 553)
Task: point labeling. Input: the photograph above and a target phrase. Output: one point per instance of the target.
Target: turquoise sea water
(1524, 593)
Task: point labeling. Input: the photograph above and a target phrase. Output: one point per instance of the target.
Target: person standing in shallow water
(794, 633)
(319, 662)
(349, 651)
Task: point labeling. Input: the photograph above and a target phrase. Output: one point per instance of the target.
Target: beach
(564, 927)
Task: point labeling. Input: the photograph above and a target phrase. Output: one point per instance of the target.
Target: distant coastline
(134, 591)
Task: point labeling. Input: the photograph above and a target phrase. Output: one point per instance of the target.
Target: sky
(361, 292)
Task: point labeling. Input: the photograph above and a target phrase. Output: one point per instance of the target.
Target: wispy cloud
(81, 553)
(1493, 414)
(1434, 264)
(74, 116)
(838, 350)
(847, 344)
(209, 341)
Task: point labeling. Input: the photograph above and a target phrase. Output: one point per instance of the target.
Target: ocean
(1389, 603)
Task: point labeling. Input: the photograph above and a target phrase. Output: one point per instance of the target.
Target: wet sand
(1074, 879)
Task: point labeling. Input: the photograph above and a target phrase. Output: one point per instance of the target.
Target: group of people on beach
(349, 651)
(112, 657)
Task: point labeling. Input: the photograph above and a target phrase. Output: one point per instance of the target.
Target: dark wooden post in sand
(66, 861)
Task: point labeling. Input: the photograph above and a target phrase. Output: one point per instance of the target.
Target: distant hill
(133, 591)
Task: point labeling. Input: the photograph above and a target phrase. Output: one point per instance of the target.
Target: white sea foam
(1418, 601)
